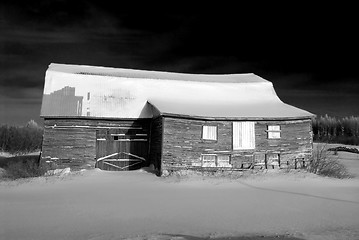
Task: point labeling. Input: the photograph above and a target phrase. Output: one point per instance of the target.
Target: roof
(101, 92)
(145, 74)
(230, 111)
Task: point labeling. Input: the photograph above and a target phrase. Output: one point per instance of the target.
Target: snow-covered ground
(100, 205)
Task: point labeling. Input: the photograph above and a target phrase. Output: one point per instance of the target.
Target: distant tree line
(21, 139)
(336, 130)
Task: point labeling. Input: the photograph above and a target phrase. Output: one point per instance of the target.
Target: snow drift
(118, 205)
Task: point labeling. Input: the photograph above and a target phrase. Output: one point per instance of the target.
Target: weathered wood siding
(176, 143)
(183, 145)
(156, 142)
(72, 142)
(296, 142)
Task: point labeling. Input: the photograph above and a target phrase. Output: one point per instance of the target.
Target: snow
(58, 172)
(145, 74)
(230, 110)
(96, 204)
(350, 160)
(124, 93)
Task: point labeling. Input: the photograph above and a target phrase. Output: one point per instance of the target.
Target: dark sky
(308, 52)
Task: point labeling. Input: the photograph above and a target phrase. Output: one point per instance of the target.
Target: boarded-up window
(209, 132)
(273, 131)
(208, 160)
(243, 135)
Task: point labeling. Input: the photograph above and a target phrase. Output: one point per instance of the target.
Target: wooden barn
(123, 119)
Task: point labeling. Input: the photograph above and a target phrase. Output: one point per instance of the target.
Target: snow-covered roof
(102, 92)
(145, 74)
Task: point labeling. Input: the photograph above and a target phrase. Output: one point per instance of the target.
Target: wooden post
(278, 160)
(265, 161)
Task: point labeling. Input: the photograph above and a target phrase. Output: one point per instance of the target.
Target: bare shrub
(324, 164)
(26, 169)
(21, 139)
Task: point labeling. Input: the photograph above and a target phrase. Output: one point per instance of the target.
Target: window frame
(274, 131)
(202, 132)
(204, 155)
(229, 160)
(216, 165)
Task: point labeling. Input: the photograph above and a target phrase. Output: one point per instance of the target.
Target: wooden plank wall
(75, 148)
(183, 146)
(156, 142)
(72, 142)
(182, 143)
(296, 140)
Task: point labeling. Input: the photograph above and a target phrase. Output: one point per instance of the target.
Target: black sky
(308, 52)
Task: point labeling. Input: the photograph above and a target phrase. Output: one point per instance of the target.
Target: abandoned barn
(123, 119)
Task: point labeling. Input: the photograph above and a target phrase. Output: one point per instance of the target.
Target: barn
(124, 119)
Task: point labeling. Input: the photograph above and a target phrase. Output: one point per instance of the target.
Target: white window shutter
(209, 132)
(243, 135)
(237, 131)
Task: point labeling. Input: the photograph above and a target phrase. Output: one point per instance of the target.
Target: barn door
(121, 149)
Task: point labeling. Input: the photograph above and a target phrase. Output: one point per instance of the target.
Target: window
(209, 133)
(224, 161)
(208, 160)
(243, 135)
(213, 160)
(273, 159)
(273, 131)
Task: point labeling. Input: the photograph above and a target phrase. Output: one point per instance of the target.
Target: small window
(224, 161)
(209, 133)
(273, 131)
(208, 160)
(213, 160)
(115, 138)
(273, 157)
